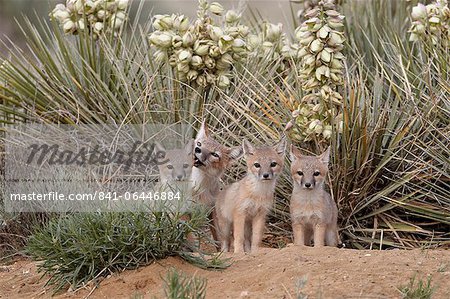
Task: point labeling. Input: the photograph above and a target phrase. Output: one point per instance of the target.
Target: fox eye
(316, 173)
(300, 172)
(199, 143)
(257, 165)
(170, 166)
(185, 165)
(215, 155)
(273, 164)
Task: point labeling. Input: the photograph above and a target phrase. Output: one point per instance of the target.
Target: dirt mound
(272, 273)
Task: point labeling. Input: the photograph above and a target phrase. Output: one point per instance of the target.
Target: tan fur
(175, 169)
(313, 212)
(244, 205)
(211, 161)
(176, 164)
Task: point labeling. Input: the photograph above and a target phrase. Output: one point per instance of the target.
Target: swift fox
(243, 205)
(175, 169)
(313, 212)
(211, 159)
(178, 163)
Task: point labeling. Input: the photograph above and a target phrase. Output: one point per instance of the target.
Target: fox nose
(266, 175)
(307, 185)
(198, 150)
(179, 177)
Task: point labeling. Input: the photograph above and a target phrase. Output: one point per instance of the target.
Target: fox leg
(239, 231)
(248, 236)
(223, 228)
(332, 234)
(226, 231)
(319, 234)
(258, 225)
(299, 231)
(331, 237)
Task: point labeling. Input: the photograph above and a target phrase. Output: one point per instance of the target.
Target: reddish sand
(272, 273)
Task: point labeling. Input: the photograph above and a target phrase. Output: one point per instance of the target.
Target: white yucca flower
(320, 44)
(273, 31)
(161, 39)
(93, 16)
(216, 8)
(232, 17)
(201, 52)
(431, 21)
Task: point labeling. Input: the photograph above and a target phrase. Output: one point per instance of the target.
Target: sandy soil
(272, 273)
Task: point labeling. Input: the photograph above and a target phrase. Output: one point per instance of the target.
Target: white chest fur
(256, 195)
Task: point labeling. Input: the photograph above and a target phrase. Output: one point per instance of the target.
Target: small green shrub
(180, 286)
(78, 248)
(421, 290)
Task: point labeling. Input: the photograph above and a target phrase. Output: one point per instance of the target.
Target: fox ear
(294, 153)
(203, 132)
(236, 153)
(247, 147)
(159, 151)
(189, 147)
(325, 156)
(158, 147)
(280, 147)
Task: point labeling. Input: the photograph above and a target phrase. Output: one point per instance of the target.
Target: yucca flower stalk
(431, 21)
(307, 5)
(201, 53)
(95, 16)
(322, 62)
(272, 44)
(268, 42)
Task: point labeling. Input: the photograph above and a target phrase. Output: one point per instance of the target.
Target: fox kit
(177, 164)
(175, 168)
(243, 205)
(211, 159)
(313, 212)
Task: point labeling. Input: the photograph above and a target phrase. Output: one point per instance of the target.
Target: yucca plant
(88, 78)
(397, 109)
(390, 168)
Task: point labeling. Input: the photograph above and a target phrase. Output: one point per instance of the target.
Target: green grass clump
(78, 248)
(181, 286)
(420, 290)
